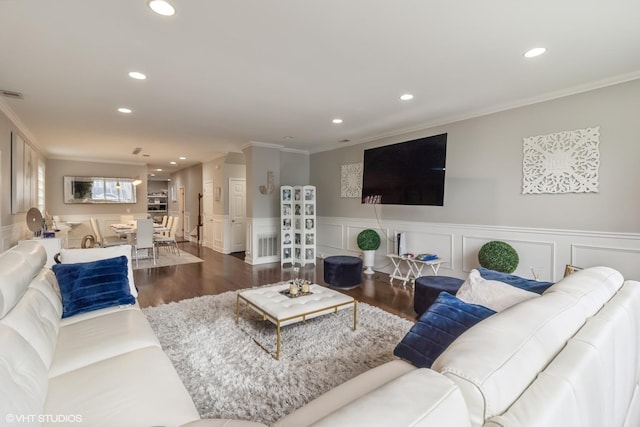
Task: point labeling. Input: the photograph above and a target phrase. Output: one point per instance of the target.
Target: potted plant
(368, 241)
(498, 256)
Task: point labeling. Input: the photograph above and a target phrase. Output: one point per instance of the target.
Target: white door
(181, 218)
(207, 215)
(237, 212)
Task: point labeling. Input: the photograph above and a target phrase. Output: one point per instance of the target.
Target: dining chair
(170, 239)
(168, 225)
(144, 239)
(104, 241)
(165, 218)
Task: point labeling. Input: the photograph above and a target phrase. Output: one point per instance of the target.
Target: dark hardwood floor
(221, 273)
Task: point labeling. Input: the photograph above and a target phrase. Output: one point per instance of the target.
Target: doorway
(237, 214)
(181, 202)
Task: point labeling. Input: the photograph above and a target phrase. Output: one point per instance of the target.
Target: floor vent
(267, 245)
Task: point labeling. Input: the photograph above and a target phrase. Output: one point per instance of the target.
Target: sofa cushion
(520, 282)
(23, 377)
(72, 256)
(138, 388)
(435, 401)
(491, 293)
(444, 321)
(101, 337)
(89, 286)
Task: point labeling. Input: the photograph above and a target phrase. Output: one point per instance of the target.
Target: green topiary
(368, 240)
(498, 256)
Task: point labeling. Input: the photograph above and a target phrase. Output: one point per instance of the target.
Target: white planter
(369, 260)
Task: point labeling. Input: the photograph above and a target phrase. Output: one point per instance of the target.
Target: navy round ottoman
(342, 271)
(427, 289)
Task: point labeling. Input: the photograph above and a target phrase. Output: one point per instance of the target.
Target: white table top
(278, 306)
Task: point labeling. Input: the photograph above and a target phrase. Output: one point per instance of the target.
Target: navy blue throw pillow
(517, 281)
(89, 286)
(445, 320)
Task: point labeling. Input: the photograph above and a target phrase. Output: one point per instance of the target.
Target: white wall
(12, 226)
(484, 168)
(57, 169)
(483, 192)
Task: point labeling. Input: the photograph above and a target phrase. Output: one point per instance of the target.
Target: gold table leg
(237, 308)
(278, 341)
(355, 313)
(279, 324)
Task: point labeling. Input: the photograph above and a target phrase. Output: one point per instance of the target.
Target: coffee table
(281, 310)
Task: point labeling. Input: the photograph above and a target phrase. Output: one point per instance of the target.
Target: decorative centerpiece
(368, 241)
(297, 288)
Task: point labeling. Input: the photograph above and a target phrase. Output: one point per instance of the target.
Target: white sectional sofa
(569, 358)
(102, 368)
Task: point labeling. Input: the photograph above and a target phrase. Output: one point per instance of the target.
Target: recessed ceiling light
(406, 97)
(158, 170)
(137, 75)
(162, 7)
(337, 121)
(182, 158)
(153, 174)
(172, 163)
(536, 51)
(124, 110)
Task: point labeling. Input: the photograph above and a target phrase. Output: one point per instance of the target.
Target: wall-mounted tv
(407, 173)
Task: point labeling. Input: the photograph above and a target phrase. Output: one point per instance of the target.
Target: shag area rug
(229, 376)
(164, 259)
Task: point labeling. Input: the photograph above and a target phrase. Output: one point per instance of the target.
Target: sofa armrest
(222, 423)
(420, 398)
(346, 392)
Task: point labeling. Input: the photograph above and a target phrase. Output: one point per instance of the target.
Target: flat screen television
(407, 173)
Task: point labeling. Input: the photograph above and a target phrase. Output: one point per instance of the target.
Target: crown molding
(20, 126)
(549, 96)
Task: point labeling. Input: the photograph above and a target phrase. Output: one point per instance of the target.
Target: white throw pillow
(72, 256)
(491, 293)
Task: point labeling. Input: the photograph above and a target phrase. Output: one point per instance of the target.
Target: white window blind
(41, 185)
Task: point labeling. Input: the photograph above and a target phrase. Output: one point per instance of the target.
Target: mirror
(92, 189)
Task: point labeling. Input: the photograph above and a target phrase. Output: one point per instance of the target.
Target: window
(40, 190)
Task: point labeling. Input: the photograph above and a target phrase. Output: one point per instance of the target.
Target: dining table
(128, 230)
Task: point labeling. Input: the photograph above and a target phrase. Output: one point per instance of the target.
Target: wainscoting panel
(420, 242)
(263, 241)
(332, 235)
(219, 226)
(614, 257)
(537, 258)
(543, 253)
(11, 234)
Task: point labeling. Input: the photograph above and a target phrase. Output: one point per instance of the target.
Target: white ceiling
(224, 73)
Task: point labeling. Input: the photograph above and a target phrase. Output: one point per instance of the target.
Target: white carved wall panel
(562, 162)
(351, 181)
